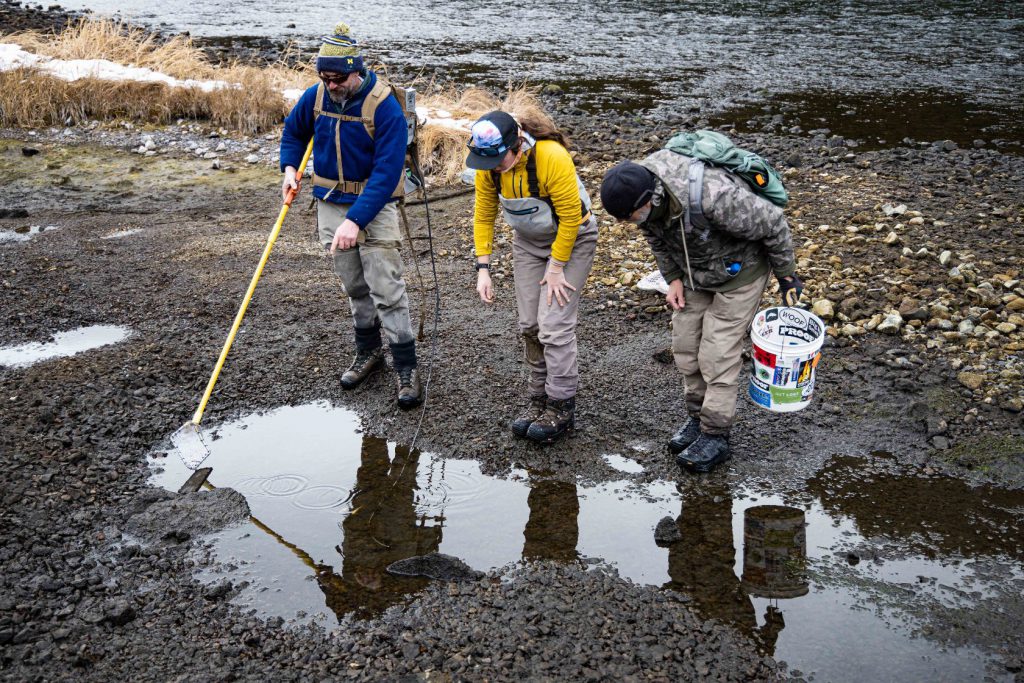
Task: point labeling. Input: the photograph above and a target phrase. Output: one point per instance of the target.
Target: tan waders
(549, 330)
(372, 275)
(707, 343)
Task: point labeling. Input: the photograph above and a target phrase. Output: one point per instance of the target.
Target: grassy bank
(250, 102)
(30, 97)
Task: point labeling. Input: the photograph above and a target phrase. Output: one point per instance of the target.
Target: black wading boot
(403, 356)
(685, 435)
(410, 394)
(365, 363)
(558, 417)
(520, 425)
(705, 453)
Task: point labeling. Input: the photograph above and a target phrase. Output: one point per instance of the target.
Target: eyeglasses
(334, 80)
(487, 151)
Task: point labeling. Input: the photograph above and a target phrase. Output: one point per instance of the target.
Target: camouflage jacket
(745, 229)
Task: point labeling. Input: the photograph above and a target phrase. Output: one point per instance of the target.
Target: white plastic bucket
(787, 347)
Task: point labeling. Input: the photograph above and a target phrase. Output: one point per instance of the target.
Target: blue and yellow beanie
(339, 53)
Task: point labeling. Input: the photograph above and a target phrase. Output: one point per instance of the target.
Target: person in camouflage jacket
(716, 271)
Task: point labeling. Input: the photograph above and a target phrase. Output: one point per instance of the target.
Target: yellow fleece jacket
(556, 176)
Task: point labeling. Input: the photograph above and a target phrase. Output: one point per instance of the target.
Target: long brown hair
(541, 126)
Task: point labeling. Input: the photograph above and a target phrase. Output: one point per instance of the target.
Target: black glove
(790, 287)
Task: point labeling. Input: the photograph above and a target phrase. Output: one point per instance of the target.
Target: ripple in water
(322, 497)
(283, 485)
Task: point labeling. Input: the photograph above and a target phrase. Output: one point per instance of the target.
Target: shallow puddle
(63, 344)
(25, 233)
(120, 234)
(869, 573)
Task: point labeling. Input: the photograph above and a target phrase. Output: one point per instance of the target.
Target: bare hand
(484, 287)
(289, 183)
(675, 297)
(345, 236)
(554, 278)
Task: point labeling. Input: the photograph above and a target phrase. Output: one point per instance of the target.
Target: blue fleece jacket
(378, 161)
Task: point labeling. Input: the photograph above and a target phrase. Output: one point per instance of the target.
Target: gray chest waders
(532, 216)
(407, 183)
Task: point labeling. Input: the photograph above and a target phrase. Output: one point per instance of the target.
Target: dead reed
(252, 104)
(31, 97)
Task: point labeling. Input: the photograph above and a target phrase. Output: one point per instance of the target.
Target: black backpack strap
(531, 174)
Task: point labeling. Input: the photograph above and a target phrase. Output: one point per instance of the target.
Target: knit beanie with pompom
(339, 53)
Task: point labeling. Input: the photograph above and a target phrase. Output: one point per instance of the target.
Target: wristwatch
(479, 266)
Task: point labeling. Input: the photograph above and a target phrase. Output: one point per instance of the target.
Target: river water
(867, 68)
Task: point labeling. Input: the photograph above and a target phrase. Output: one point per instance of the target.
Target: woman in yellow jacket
(526, 171)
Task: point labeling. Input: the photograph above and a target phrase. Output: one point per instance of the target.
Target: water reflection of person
(552, 531)
(701, 565)
(381, 529)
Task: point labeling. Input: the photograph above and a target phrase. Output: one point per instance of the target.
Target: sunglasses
(335, 80)
(487, 151)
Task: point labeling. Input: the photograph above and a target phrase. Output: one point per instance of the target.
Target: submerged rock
(667, 532)
(437, 566)
(192, 514)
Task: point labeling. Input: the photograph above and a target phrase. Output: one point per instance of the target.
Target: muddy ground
(940, 389)
(79, 600)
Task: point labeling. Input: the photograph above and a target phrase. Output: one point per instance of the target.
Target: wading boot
(410, 394)
(685, 435)
(520, 425)
(558, 417)
(705, 453)
(364, 364)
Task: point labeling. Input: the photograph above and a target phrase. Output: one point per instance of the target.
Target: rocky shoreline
(912, 254)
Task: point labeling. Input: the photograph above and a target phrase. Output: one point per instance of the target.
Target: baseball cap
(490, 137)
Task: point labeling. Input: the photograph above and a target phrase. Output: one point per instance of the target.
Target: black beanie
(625, 188)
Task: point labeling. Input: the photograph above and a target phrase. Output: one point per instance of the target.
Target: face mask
(640, 216)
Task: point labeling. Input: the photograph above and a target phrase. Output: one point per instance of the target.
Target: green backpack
(718, 150)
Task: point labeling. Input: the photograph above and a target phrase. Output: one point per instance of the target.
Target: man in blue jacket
(359, 145)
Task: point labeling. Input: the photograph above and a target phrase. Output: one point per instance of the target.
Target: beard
(341, 95)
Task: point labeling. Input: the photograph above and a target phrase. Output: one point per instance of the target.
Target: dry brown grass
(32, 98)
(29, 97)
(443, 149)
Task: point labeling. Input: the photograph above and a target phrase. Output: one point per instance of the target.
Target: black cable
(437, 302)
(451, 195)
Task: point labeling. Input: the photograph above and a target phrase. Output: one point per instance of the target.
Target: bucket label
(760, 384)
(780, 395)
(781, 376)
(807, 370)
(763, 357)
(805, 373)
(760, 396)
(797, 333)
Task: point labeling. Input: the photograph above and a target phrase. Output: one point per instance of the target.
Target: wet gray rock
(667, 532)
(936, 426)
(145, 498)
(437, 566)
(189, 515)
(119, 612)
(219, 590)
